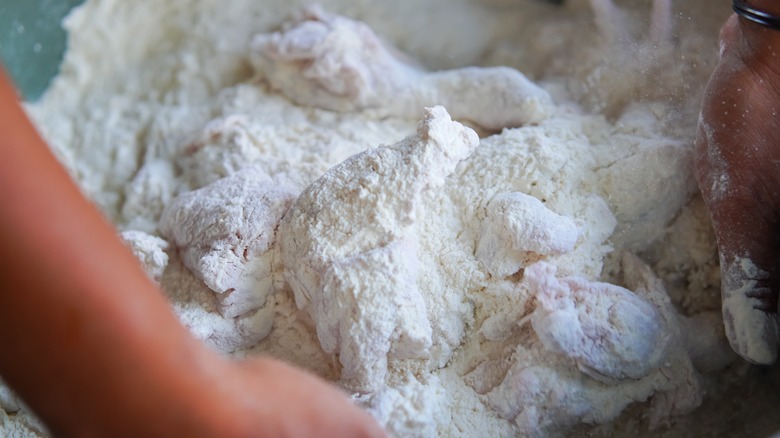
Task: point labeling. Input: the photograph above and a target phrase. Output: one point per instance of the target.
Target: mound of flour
(464, 249)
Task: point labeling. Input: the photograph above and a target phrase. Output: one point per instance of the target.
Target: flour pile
(466, 251)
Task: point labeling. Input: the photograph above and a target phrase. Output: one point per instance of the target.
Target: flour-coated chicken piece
(519, 229)
(225, 232)
(349, 248)
(333, 62)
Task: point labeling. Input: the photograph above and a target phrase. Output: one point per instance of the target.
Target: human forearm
(84, 326)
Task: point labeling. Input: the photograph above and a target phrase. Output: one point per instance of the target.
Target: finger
(747, 235)
(317, 405)
(735, 169)
(729, 34)
(746, 231)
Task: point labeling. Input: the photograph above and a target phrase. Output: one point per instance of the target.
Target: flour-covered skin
(736, 156)
(225, 232)
(349, 248)
(333, 62)
(518, 229)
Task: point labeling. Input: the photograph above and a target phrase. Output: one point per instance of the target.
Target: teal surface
(32, 41)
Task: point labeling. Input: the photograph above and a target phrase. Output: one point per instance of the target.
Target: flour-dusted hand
(737, 164)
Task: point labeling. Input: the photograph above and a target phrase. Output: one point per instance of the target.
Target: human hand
(211, 396)
(100, 353)
(738, 171)
(264, 397)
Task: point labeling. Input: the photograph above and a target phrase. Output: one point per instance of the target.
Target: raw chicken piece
(197, 308)
(427, 398)
(657, 167)
(348, 246)
(332, 62)
(630, 344)
(678, 369)
(223, 148)
(149, 250)
(610, 332)
(518, 228)
(376, 283)
(225, 232)
(147, 194)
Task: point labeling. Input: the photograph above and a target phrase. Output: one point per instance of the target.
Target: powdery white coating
(499, 324)
(333, 62)
(200, 311)
(743, 282)
(149, 250)
(424, 402)
(344, 65)
(223, 148)
(147, 194)
(677, 385)
(648, 161)
(138, 119)
(370, 308)
(22, 424)
(638, 47)
(355, 224)
(518, 228)
(610, 332)
(540, 391)
(9, 402)
(225, 232)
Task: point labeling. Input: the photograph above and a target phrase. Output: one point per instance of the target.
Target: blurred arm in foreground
(90, 342)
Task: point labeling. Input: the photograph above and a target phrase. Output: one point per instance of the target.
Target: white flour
(312, 208)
